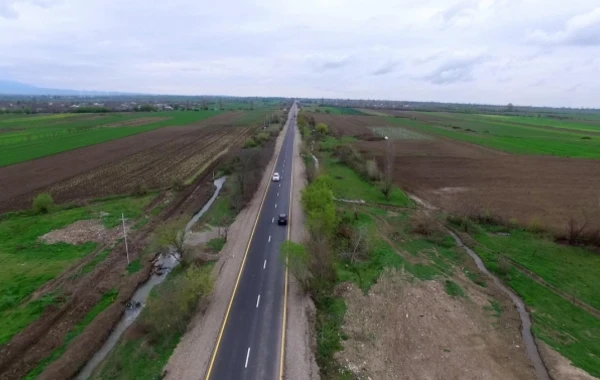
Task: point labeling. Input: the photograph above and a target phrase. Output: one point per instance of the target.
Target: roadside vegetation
(147, 345)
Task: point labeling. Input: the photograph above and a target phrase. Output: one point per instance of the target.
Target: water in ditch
(530, 345)
(164, 264)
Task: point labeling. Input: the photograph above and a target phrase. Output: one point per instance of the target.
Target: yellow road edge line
(285, 286)
(237, 281)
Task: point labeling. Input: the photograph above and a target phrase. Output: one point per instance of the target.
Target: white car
(276, 177)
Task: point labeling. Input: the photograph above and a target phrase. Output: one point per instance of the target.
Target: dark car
(282, 219)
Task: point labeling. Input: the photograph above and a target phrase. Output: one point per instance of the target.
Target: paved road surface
(250, 346)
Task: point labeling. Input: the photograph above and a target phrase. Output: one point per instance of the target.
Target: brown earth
(410, 329)
(462, 177)
(20, 182)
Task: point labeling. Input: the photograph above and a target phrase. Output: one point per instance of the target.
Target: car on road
(282, 219)
(276, 177)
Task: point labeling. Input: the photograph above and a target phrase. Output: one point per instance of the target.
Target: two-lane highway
(250, 343)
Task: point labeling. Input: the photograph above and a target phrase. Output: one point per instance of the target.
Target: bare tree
(387, 182)
(172, 235)
(223, 229)
(358, 247)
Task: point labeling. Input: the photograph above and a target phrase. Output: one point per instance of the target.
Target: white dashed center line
(273, 220)
(247, 357)
(257, 301)
(275, 205)
(277, 193)
(269, 238)
(265, 264)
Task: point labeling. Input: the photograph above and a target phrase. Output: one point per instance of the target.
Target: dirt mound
(414, 328)
(81, 232)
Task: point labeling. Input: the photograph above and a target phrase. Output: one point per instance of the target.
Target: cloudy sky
(528, 52)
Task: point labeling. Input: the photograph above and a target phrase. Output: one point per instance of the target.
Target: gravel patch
(80, 232)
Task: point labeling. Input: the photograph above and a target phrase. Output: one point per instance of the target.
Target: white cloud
(583, 29)
(465, 50)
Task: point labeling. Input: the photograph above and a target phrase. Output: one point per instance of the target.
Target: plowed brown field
(462, 177)
(153, 159)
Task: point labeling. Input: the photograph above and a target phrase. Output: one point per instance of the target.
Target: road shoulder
(300, 344)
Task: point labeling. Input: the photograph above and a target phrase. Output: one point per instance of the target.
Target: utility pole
(125, 236)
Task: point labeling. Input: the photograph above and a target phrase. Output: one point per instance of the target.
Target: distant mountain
(17, 88)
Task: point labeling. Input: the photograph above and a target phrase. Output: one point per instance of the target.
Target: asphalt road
(250, 346)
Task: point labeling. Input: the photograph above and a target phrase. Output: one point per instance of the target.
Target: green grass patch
(28, 263)
(506, 136)
(574, 270)
(453, 289)
(216, 244)
(134, 266)
(347, 184)
(495, 308)
(107, 299)
(87, 268)
(570, 330)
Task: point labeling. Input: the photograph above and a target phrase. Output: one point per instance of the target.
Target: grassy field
(569, 329)
(25, 138)
(502, 133)
(349, 185)
(28, 263)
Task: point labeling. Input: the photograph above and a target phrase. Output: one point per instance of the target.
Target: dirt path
(300, 343)
(192, 355)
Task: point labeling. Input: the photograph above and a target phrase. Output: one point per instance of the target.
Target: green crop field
(504, 133)
(24, 138)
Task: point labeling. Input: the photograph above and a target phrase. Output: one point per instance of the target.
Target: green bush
(43, 203)
(216, 244)
(250, 143)
(171, 309)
